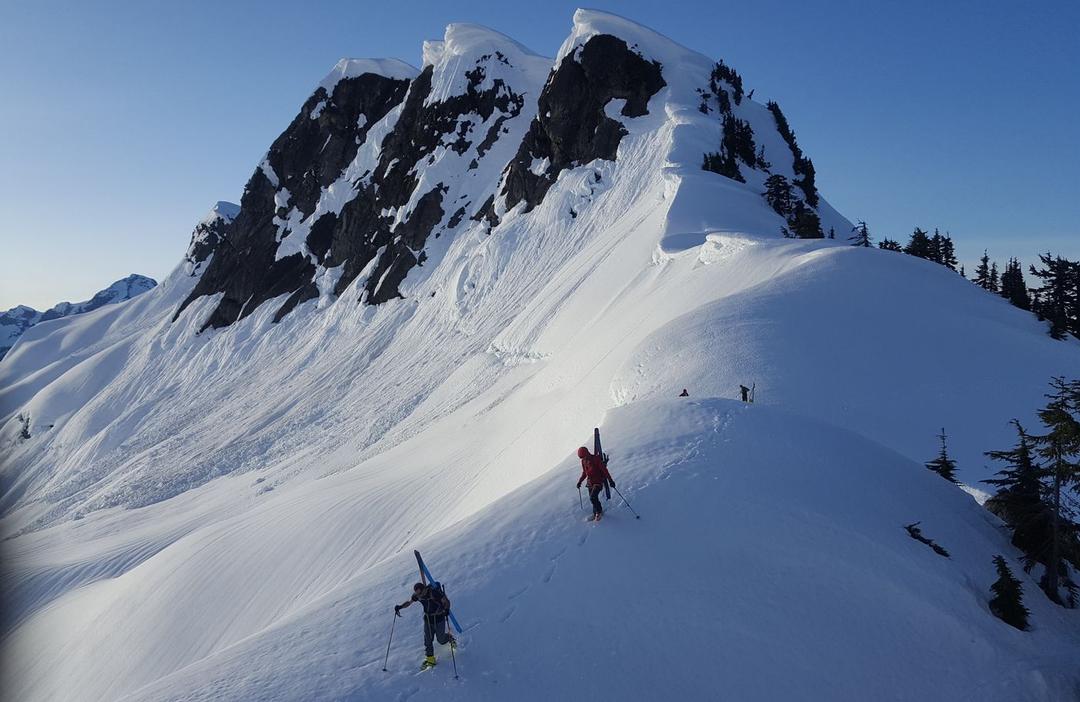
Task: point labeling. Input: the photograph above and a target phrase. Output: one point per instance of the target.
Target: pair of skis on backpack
(427, 577)
(598, 450)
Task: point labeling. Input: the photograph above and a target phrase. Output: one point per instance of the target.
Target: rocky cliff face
(376, 163)
(571, 127)
(208, 236)
(384, 159)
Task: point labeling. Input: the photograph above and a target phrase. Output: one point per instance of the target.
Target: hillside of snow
(225, 476)
(15, 321)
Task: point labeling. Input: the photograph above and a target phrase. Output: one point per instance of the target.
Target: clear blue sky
(123, 122)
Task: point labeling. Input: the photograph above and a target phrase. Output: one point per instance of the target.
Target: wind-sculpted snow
(226, 511)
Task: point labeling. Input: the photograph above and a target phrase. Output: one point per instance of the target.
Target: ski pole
(581, 503)
(453, 657)
(392, 624)
(636, 515)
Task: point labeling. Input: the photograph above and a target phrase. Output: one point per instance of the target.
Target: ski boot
(428, 664)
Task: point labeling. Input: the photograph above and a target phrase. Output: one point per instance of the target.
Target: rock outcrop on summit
(384, 159)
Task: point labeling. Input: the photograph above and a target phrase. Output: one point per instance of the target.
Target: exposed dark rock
(419, 131)
(324, 138)
(208, 235)
(319, 143)
(570, 127)
(455, 219)
(312, 153)
(321, 234)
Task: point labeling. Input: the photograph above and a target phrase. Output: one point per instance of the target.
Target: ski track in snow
(228, 515)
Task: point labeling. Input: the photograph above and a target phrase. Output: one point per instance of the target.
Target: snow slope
(765, 567)
(229, 514)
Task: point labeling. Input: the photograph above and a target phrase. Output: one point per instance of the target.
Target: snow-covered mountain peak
(643, 40)
(475, 55)
(207, 236)
(222, 210)
(355, 67)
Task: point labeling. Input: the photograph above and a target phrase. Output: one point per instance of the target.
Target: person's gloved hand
(579, 485)
(397, 610)
(612, 483)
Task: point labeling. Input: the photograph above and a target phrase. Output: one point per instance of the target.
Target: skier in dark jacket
(595, 470)
(436, 608)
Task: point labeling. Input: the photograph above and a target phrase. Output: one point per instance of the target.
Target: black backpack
(438, 592)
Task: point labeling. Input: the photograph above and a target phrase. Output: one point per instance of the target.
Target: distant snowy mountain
(437, 282)
(18, 319)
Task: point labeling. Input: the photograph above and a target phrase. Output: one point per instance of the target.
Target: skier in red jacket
(595, 470)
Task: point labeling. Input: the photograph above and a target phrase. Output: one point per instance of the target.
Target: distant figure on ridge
(684, 393)
(436, 607)
(595, 470)
(745, 393)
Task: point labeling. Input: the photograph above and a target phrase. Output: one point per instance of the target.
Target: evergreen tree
(778, 194)
(724, 164)
(805, 222)
(1007, 604)
(918, 244)
(943, 465)
(962, 273)
(937, 244)
(1013, 286)
(890, 245)
(860, 235)
(995, 285)
(1057, 300)
(948, 252)
(1060, 448)
(982, 272)
(1019, 498)
(832, 233)
(738, 140)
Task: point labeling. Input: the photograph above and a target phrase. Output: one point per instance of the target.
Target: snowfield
(230, 515)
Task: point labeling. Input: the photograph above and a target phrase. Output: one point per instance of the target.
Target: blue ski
(426, 575)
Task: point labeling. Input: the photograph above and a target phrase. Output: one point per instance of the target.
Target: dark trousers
(594, 497)
(434, 628)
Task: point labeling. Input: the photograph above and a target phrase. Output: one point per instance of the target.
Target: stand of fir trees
(1013, 287)
(1033, 493)
(803, 222)
(1057, 300)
